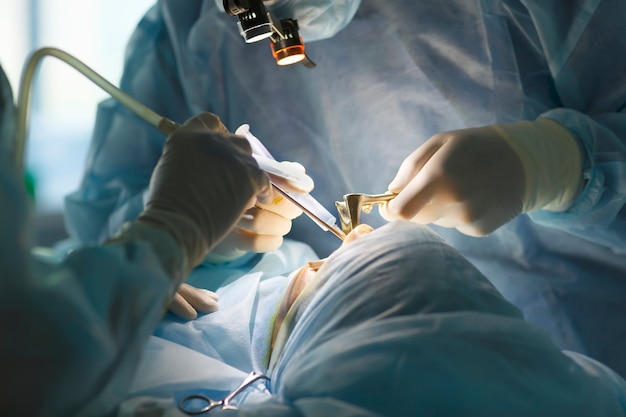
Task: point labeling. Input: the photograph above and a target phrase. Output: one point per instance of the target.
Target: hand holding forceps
(186, 404)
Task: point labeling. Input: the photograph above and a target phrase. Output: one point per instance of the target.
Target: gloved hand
(262, 228)
(201, 185)
(189, 300)
(478, 179)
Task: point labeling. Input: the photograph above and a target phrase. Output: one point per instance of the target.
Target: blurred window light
(64, 103)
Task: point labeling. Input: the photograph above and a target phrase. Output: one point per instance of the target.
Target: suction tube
(23, 104)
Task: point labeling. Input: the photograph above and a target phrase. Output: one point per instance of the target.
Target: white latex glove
(478, 179)
(200, 187)
(189, 301)
(263, 227)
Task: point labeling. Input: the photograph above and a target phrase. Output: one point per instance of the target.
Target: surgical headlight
(254, 20)
(255, 24)
(287, 46)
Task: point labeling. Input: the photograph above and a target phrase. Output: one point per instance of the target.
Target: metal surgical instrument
(331, 227)
(350, 208)
(163, 124)
(187, 403)
(306, 202)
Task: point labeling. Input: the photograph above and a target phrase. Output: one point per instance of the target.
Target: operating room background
(64, 103)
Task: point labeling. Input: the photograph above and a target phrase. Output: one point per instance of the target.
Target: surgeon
(72, 332)
(501, 123)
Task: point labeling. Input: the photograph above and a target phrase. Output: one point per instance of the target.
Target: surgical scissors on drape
(188, 404)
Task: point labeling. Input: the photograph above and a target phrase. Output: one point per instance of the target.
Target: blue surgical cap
(317, 19)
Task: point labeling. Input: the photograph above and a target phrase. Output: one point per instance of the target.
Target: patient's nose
(357, 232)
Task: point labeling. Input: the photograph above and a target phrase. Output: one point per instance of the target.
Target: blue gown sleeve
(71, 330)
(125, 148)
(581, 45)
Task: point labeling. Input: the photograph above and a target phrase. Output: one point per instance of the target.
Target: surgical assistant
(387, 79)
(73, 330)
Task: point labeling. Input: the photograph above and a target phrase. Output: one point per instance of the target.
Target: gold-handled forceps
(350, 208)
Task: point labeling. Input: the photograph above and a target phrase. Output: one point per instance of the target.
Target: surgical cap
(317, 19)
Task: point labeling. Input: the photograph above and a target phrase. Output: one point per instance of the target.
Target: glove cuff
(175, 240)
(552, 163)
(165, 247)
(184, 230)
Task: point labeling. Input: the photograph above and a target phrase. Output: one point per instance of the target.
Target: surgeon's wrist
(552, 162)
(165, 248)
(185, 232)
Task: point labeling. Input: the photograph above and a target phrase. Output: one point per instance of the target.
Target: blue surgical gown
(71, 331)
(389, 80)
(7, 112)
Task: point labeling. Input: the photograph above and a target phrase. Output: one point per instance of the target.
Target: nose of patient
(308, 271)
(306, 274)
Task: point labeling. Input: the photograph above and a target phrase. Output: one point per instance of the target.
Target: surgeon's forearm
(597, 213)
(74, 331)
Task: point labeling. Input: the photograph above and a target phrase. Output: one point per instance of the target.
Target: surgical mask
(318, 19)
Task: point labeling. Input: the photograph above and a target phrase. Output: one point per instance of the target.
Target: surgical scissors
(186, 404)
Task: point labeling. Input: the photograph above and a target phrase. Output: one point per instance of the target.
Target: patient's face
(308, 272)
(304, 275)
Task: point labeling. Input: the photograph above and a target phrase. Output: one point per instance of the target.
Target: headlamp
(254, 20)
(255, 24)
(287, 46)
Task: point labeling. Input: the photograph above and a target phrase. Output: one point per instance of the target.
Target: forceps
(331, 227)
(350, 208)
(207, 404)
(309, 205)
